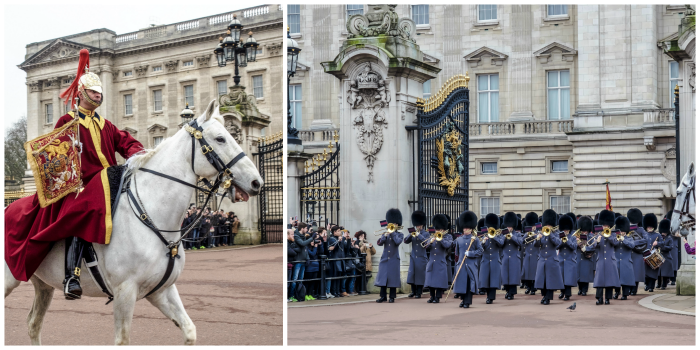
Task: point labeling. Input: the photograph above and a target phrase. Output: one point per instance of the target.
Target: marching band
(552, 252)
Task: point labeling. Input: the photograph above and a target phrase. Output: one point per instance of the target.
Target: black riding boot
(74, 252)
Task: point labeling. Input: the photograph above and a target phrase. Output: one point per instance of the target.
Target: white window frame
(156, 101)
(293, 101)
(189, 63)
(48, 113)
(478, 14)
(481, 167)
(489, 92)
(347, 10)
(191, 97)
(560, 160)
(564, 15)
(489, 205)
(260, 88)
(289, 16)
(421, 25)
(559, 87)
(218, 87)
(559, 208)
(129, 107)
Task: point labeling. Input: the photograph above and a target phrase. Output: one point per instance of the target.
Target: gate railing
(320, 186)
(270, 165)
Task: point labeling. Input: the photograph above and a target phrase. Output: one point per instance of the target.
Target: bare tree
(15, 156)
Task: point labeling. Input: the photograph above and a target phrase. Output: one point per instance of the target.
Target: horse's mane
(141, 158)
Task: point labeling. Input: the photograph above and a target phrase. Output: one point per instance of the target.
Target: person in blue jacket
(468, 251)
(548, 277)
(607, 276)
(419, 257)
(389, 273)
(511, 264)
(436, 270)
(623, 253)
(567, 257)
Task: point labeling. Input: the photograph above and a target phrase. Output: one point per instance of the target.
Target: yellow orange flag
(608, 200)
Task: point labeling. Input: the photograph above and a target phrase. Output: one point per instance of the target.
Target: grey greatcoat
(676, 253)
(530, 256)
(625, 266)
(389, 274)
(512, 262)
(436, 270)
(666, 247)
(585, 267)
(548, 268)
(651, 237)
(606, 268)
(470, 270)
(419, 258)
(490, 269)
(638, 259)
(568, 262)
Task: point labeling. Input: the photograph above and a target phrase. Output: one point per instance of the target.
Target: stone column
(295, 170)
(588, 37)
(520, 63)
(34, 124)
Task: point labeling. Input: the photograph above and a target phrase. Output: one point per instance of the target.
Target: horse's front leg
(124, 304)
(169, 303)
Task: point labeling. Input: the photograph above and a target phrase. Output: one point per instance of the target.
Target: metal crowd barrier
(322, 268)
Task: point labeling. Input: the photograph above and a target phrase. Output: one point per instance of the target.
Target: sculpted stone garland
(369, 95)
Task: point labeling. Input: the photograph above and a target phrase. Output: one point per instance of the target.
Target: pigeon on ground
(572, 307)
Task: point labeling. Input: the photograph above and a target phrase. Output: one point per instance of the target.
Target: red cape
(30, 229)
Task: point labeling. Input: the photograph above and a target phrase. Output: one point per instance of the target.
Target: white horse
(684, 212)
(134, 262)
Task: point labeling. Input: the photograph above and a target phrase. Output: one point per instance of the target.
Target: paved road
(234, 296)
(522, 321)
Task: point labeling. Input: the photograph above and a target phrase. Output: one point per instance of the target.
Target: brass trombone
(608, 231)
(437, 236)
(547, 230)
(492, 232)
(530, 235)
(390, 228)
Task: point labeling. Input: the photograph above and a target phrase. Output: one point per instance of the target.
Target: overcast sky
(28, 23)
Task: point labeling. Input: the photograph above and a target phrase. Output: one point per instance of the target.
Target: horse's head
(685, 201)
(246, 179)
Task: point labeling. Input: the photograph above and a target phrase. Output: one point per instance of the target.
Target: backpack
(300, 292)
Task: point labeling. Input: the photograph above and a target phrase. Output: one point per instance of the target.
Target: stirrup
(66, 293)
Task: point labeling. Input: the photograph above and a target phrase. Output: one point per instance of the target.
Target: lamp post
(187, 114)
(233, 49)
(678, 140)
(292, 58)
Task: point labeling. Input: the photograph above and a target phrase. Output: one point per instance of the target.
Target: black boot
(74, 253)
(598, 301)
(381, 299)
(561, 295)
(616, 295)
(607, 301)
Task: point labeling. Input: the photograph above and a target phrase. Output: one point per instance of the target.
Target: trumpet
(563, 239)
(608, 231)
(547, 230)
(413, 231)
(620, 236)
(509, 235)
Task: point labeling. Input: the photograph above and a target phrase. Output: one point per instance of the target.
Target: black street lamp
(187, 114)
(292, 58)
(232, 49)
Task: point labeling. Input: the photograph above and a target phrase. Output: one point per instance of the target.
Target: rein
(685, 207)
(224, 169)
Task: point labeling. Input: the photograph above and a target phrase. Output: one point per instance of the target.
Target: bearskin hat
(669, 215)
(573, 219)
(531, 219)
(520, 226)
(491, 220)
(622, 223)
(650, 221)
(549, 218)
(635, 216)
(565, 223)
(449, 222)
(510, 219)
(480, 224)
(606, 218)
(665, 226)
(467, 220)
(441, 222)
(585, 224)
(418, 218)
(617, 215)
(393, 216)
(596, 216)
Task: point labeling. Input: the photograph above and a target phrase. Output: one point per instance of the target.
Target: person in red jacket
(30, 230)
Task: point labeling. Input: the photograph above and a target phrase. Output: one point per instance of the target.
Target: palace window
(258, 52)
(294, 18)
(354, 10)
(189, 95)
(66, 108)
(258, 86)
(490, 205)
(188, 63)
(128, 74)
(420, 14)
(560, 166)
(558, 95)
(488, 98)
(157, 100)
(128, 105)
(158, 68)
(672, 82)
(557, 10)
(426, 89)
(560, 204)
(157, 140)
(221, 87)
(49, 113)
(489, 168)
(488, 12)
(295, 104)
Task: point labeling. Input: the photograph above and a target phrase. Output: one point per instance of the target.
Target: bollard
(322, 268)
(363, 284)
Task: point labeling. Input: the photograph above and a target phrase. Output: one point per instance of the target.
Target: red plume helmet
(83, 65)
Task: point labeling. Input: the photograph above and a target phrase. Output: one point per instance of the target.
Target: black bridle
(685, 207)
(223, 169)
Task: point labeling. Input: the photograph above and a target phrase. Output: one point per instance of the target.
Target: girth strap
(168, 272)
(91, 263)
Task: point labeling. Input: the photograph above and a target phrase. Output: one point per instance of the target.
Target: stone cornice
(567, 52)
(475, 56)
(35, 61)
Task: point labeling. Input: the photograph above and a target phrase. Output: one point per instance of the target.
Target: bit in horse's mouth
(241, 196)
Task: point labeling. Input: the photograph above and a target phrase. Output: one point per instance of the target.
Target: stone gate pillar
(380, 70)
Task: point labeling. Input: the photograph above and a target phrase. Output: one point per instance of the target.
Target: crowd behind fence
(214, 229)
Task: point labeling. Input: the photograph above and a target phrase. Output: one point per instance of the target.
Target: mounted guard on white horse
(82, 222)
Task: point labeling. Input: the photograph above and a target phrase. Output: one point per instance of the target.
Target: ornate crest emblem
(55, 163)
(448, 158)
